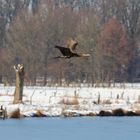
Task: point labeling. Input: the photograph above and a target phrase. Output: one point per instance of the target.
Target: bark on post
(19, 69)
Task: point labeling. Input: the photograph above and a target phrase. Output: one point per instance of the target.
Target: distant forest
(107, 29)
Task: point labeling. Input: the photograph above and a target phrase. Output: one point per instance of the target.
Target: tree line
(107, 29)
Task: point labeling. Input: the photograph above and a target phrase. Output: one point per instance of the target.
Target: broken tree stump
(19, 69)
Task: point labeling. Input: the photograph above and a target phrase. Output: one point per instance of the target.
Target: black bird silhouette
(69, 51)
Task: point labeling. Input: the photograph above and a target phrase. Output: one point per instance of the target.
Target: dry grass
(91, 114)
(69, 114)
(39, 114)
(137, 112)
(105, 113)
(15, 114)
(106, 102)
(119, 112)
(70, 101)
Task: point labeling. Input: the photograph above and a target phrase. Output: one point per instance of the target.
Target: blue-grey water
(96, 128)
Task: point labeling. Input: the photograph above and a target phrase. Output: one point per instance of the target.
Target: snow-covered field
(55, 101)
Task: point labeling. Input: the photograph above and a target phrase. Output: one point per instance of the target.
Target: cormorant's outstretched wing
(71, 44)
(65, 51)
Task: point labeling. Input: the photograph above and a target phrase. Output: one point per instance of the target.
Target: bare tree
(19, 83)
(31, 37)
(115, 50)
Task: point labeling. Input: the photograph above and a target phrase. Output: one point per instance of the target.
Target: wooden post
(2, 113)
(19, 69)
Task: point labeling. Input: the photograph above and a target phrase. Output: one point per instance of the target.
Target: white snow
(53, 101)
